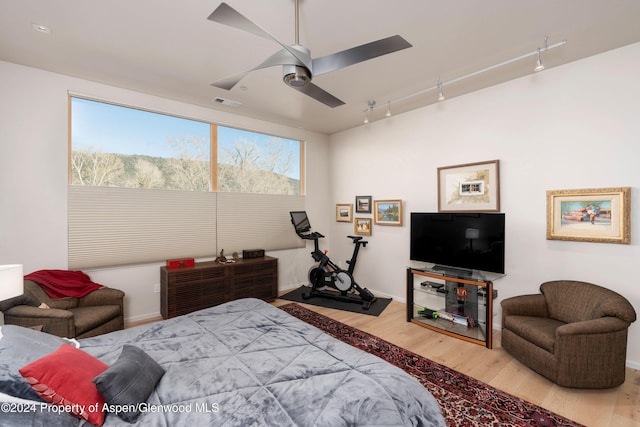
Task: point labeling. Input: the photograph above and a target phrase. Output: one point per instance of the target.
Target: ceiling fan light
(298, 77)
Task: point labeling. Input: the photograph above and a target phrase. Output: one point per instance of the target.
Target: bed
(243, 363)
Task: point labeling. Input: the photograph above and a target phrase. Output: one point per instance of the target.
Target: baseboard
(633, 365)
(142, 318)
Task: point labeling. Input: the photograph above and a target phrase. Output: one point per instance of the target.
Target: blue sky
(115, 129)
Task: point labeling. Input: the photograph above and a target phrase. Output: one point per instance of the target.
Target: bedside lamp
(11, 283)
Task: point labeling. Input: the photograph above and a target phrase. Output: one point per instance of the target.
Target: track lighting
(440, 94)
(371, 105)
(539, 64)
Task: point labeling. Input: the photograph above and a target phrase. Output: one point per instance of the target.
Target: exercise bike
(327, 274)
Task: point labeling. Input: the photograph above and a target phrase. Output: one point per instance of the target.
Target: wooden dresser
(187, 289)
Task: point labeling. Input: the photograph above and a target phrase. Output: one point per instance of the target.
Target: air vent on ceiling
(227, 102)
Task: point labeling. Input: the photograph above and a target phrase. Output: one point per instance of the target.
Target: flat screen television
(460, 242)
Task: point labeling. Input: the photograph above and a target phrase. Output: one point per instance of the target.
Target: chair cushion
(540, 331)
(36, 293)
(90, 317)
(572, 301)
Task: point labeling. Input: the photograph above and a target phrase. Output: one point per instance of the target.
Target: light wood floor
(618, 407)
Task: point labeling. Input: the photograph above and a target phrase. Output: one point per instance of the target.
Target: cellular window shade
(257, 221)
(111, 226)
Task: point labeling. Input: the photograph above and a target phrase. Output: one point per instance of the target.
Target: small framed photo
(362, 226)
(600, 215)
(387, 212)
(470, 187)
(363, 204)
(344, 212)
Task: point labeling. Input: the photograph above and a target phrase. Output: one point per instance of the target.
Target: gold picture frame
(344, 212)
(600, 215)
(387, 212)
(362, 226)
(471, 187)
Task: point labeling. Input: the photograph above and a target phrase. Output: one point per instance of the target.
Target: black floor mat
(375, 309)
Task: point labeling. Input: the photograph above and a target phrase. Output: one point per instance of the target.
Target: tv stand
(461, 307)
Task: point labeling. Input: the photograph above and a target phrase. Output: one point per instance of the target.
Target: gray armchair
(573, 333)
(97, 313)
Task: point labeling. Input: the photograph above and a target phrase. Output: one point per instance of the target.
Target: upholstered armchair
(97, 313)
(573, 333)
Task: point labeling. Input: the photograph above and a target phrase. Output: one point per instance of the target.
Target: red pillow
(65, 377)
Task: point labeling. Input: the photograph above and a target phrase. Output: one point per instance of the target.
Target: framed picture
(344, 212)
(363, 204)
(387, 212)
(362, 226)
(469, 187)
(599, 215)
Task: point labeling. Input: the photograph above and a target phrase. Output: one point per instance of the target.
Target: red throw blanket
(63, 283)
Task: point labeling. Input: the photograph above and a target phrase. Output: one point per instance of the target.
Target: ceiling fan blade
(281, 57)
(229, 82)
(319, 95)
(338, 60)
(226, 15)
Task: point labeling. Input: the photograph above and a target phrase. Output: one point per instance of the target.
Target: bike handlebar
(357, 239)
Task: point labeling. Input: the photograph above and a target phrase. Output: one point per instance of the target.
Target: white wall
(575, 126)
(33, 178)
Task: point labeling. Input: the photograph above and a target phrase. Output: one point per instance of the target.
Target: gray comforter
(247, 363)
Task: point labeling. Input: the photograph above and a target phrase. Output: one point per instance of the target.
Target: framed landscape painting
(344, 212)
(363, 204)
(387, 212)
(599, 215)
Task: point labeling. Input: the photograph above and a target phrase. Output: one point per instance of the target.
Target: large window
(115, 146)
(145, 187)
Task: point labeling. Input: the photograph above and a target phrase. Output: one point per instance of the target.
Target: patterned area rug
(465, 401)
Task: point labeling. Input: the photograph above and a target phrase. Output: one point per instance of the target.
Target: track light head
(370, 106)
(388, 109)
(539, 64)
(440, 94)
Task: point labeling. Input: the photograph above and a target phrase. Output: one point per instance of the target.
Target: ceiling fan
(297, 64)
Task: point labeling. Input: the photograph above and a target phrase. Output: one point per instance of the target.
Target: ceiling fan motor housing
(296, 75)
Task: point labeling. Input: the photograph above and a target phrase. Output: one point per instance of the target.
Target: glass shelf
(454, 272)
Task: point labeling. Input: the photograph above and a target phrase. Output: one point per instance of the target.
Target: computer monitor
(300, 221)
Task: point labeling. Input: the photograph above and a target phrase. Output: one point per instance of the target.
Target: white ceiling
(169, 48)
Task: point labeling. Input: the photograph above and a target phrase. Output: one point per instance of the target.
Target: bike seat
(355, 238)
